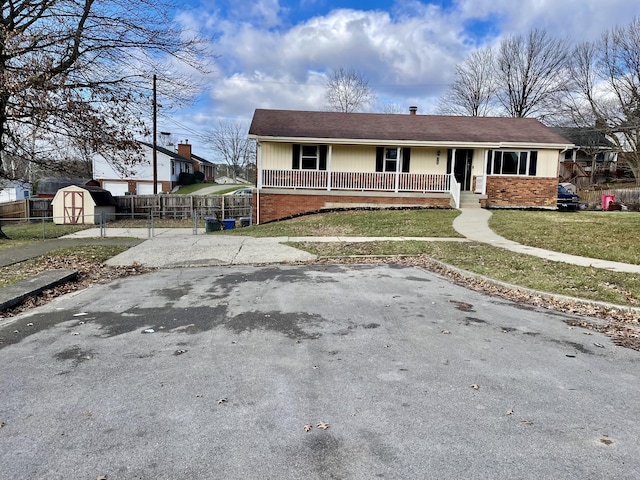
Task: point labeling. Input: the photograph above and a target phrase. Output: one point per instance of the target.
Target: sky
(277, 53)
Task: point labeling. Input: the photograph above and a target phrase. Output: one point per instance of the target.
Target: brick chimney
(184, 149)
(413, 110)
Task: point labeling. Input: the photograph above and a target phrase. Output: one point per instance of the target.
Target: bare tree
(532, 73)
(229, 140)
(81, 69)
(348, 91)
(606, 90)
(390, 108)
(474, 87)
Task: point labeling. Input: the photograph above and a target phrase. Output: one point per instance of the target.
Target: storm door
(462, 168)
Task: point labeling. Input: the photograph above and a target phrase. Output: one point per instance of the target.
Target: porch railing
(360, 181)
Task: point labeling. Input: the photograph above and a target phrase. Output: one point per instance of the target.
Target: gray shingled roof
(401, 127)
(584, 137)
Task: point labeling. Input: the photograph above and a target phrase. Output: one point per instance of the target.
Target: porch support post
(329, 155)
(259, 164)
(453, 161)
(484, 171)
(398, 162)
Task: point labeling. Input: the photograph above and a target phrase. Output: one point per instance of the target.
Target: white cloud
(408, 54)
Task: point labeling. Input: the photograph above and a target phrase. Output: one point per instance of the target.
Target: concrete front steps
(470, 199)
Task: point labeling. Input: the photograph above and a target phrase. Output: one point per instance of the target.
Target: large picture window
(505, 162)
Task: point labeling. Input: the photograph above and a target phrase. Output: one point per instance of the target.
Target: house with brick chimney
(310, 161)
(137, 179)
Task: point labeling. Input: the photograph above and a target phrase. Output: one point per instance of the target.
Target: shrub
(199, 176)
(186, 178)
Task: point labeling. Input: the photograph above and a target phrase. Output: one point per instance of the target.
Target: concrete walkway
(473, 223)
(169, 246)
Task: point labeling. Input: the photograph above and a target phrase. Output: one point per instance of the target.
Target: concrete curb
(537, 293)
(14, 294)
(446, 268)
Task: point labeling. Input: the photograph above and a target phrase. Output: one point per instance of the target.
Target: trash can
(229, 223)
(607, 200)
(211, 224)
(245, 221)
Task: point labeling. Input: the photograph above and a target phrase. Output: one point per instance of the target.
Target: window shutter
(406, 160)
(379, 159)
(323, 157)
(533, 164)
(449, 159)
(295, 163)
(489, 161)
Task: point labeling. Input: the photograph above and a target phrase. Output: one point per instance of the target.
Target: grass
(189, 189)
(371, 223)
(604, 235)
(95, 254)
(193, 189)
(524, 270)
(611, 236)
(25, 233)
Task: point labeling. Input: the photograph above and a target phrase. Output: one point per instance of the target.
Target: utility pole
(155, 137)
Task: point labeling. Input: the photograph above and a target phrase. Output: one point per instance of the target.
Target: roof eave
(410, 143)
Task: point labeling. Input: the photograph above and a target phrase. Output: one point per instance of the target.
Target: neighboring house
(14, 190)
(49, 186)
(138, 180)
(75, 205)
(310, 161)
(592, 160)
(202, 165)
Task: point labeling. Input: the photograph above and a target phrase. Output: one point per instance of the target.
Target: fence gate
(73, 207)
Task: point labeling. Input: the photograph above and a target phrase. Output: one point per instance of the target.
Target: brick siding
(521, 192)
(275, 206)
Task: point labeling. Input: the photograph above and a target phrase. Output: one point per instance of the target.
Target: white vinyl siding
(276, 156)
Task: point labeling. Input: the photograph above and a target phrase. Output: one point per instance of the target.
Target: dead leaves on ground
(89, 273)
(320, 425)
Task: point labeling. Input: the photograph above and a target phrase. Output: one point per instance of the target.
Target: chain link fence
(197, 213)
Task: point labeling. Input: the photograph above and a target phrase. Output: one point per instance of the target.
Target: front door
(462, 168)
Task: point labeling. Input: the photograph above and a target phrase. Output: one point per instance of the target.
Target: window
(387, 159)
(512, 163)
(390, 159)
(309, 157)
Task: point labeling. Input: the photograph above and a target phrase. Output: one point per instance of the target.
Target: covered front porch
(394, 182)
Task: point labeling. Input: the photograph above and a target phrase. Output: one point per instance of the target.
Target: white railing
(383, 182)
(455, 191)
(316, 179)
(359, 181)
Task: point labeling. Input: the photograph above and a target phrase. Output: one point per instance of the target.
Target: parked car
(567, 200)
(243, 191)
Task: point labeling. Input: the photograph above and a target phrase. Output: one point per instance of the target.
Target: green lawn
(360, 223)
(24, 233)
(607, 235)
(524, 270)
(193, 188)
(604, 235)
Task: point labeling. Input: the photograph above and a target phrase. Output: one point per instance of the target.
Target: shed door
(73, 207)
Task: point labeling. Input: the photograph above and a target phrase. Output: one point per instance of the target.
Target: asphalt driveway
(412, 376)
